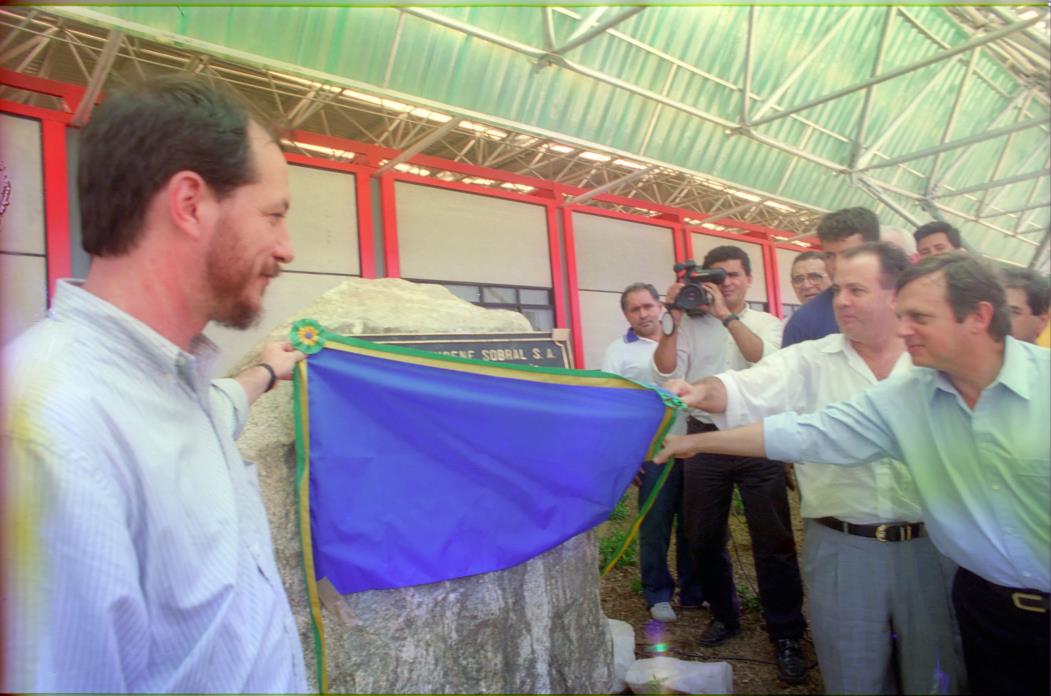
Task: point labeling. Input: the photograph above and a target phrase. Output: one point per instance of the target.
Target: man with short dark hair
(144, 561)
(728, 335)
(1028, 296)
(809, 277)
(970, 422)
(864, 535)
(838, 231)
(631, 356)
(937, 238)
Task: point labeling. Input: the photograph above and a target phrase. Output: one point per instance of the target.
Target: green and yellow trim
(302, 422)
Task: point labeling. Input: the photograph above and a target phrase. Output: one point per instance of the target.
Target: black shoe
(790, 665)
(718, 633)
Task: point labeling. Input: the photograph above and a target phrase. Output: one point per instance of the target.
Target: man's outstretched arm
(742, 442)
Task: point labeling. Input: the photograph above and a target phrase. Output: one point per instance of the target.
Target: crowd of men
(925, 501)
(142, 557)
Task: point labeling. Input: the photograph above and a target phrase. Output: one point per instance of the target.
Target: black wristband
(732, 317)
(273, 376)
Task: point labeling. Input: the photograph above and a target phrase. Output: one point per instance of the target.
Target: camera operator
(726, 334)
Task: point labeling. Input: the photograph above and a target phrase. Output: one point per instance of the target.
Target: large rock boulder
(537, 627)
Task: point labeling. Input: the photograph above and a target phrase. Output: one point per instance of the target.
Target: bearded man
(144, 561)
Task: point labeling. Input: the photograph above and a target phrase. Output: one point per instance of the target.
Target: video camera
(693, 298)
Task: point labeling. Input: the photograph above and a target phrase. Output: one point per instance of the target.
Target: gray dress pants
(881, 614)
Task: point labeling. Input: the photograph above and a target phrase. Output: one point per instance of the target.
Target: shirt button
(996, 486)
(1027, 574)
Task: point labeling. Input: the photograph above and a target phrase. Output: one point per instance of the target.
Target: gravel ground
(750, 653)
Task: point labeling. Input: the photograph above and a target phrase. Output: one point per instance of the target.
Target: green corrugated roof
(694, 56)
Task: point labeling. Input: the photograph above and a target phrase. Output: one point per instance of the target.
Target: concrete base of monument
(535, 628)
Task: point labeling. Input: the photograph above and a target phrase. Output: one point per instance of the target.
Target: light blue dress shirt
(983, 475)
(142, 555)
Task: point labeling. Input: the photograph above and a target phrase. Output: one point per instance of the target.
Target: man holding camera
(711, 329)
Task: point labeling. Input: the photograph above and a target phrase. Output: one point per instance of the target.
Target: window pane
(761, 306)
(470, 293)
(499, 295)
(534, 297)
(541, 319)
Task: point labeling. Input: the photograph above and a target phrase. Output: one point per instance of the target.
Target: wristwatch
(732, 317)
(668, 324)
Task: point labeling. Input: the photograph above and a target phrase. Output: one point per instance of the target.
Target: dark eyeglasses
(812, 277)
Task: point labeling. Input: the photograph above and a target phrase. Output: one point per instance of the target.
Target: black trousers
(1007, 649)
(708, 481)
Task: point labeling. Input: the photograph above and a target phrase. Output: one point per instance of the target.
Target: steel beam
(994, 184)
(6, 41)
(962, 142)
(549, 28)
(801, 67)
(393, 50)
(951, 121)
(1021, 209)
(904, 70)
(578, 40)
(722, 214)
(417, 147)
(609, 186)
(749, 47)
(988, 200)
(866, 109)
(1040, 249)
(1014, 101)
(902, 115)
(872, 188)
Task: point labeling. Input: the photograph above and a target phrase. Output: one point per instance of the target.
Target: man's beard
(229, 279)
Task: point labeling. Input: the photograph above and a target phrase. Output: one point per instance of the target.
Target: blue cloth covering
(421, 471)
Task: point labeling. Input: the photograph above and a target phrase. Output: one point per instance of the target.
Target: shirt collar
(631, 336)
(1015, 370)
(131, 338)
(1013, 373)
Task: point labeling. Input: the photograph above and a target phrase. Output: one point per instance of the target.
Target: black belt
(1025, 599)
(892, 531)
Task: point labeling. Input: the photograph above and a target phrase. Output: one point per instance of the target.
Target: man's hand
(718, 307)
(669, 300)
(281, 356)
(677, 447)
(691, 394)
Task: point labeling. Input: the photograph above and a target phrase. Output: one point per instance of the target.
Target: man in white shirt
(729, 335)
(142, 559)
(631, 356)
(878, 589)
(970, 422)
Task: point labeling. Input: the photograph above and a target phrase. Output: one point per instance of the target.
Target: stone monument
(537, 627)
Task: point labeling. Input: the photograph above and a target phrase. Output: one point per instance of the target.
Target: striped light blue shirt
(983, 474)
(142, 558)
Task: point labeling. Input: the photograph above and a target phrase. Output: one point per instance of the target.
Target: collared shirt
(705, 347)
(814, 320)
(143, 555)
(983, 474)
(804, 378)
(631, 356)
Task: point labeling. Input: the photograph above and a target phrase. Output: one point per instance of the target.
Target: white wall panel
(612, 254)
(23, 288)
(457, 236)
(784, 273)
(286, 295)
(22, 222)
(601, 321)
(703, 243)
(323, 221)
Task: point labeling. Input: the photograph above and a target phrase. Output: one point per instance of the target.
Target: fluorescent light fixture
(629, 164)
(595, 156)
